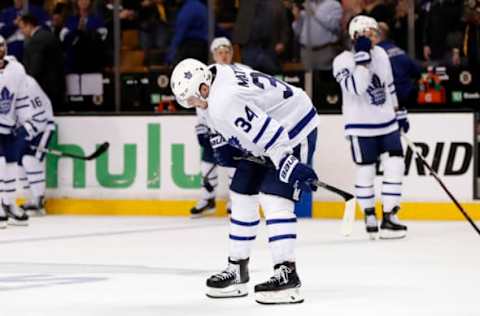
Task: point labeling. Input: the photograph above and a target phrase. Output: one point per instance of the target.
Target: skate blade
(373, 236)
(205, 213)
(392, 234)
(3, 224)
(232, 291)
(288, 296)
(14, 222)
(36, 213)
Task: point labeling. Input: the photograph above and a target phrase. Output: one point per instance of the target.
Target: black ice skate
(232, 282)
(391, 228)
(282, 288)
(16, 215)
(3, 218)
(203, 208)
(371, 224)
(35, 208)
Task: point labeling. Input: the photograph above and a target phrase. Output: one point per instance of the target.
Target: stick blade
(348, 218)
(100, 150)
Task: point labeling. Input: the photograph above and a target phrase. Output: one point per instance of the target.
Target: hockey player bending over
(34, 129)
(12, 93)
(222, 52)
(264, 117)
(372, 125)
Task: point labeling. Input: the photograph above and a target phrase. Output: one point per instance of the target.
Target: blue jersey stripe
(237, 222)
(396, 183)
(262, 130)
(303, 122)
(21, 99)
(363, 186)
(365, 197)
(281, 221)
(280, 237)
(241, 238)
(391, 194)
(354, 85)
(367, 126)
(274, 138)
(19, 107)
(7, 126)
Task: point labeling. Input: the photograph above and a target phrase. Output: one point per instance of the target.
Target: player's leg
(244, 222)
(33, 164)
(206, 203)
(16, 215)
(365, 154)
(3, 214)
(393, 170)
(278, 202)
(230, 173)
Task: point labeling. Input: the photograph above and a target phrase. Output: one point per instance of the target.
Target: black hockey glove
(301, 176)
(203, 135)
(223, 152)
(402, 120)
(363, 45)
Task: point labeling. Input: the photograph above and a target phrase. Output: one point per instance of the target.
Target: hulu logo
(131, 164)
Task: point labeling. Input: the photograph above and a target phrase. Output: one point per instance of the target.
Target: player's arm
(30, 110)
(353, 78)
(251, 124)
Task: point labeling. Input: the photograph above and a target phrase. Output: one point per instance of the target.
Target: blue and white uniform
(263, 117)
(12, 93)
(36, 113)
(369, 105)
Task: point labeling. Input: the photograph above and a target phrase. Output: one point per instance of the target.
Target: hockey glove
(301, 176)
(363, 45)
(203, 135)
(223, 152)
(402, 120)
(24, 132)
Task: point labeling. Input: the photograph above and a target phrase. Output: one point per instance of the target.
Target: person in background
(9, 19)
(84, 37)
(190, 38)
(222, 52)
(405, 69)
(467, 49)
(261, 30)
(43, 60)
(318, 25)
(442, 22)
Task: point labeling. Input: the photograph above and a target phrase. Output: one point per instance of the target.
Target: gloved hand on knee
(402, 120)
(298, 174)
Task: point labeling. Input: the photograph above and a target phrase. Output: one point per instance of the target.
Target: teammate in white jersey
(372, 124)
(263, 117)
(35, 112)
(222, 52)
(12, 91)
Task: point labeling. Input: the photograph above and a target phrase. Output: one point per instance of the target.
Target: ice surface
(121, 266)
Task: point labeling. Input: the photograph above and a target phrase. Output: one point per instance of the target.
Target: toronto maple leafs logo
(376, 91)
(188, 75)
(6, 100)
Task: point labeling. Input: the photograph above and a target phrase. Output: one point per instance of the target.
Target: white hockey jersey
(36, 109)
(12, 91)
(369, 98)
(259, 113)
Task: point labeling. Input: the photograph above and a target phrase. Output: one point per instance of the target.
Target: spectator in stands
(319, 27)
(191, 33)
(9, 25)
(84, 37)
(405, 70)
(156, 19)
(469, 45)
(380, 10)
(261, 29)
(43, 60)
(442, 20)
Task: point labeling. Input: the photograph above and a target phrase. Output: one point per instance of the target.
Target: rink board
(152, 167)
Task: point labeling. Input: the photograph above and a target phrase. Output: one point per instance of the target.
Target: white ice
(119, 266)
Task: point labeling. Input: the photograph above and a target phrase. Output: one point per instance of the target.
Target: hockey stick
(434, 174)
(208, 186)
(349, 210)
(100, 150)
